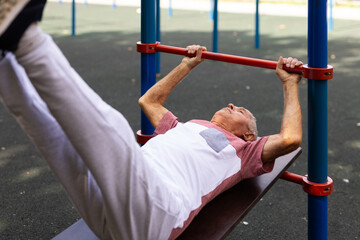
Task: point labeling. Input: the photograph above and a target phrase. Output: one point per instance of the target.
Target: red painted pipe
(228, 58)
(292, 177)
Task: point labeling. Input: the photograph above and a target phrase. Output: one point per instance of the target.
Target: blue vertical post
(317, 118)
(257, 26)
(73, 25)
(85, 3)
(148, 73)
(215, 29)
(170, 9)
(211, 12)
(158, 35)
(114, 4)
(331, 20)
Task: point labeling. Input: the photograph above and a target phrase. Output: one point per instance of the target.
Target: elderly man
(121, 190)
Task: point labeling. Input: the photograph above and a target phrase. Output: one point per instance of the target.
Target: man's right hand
(192, 62)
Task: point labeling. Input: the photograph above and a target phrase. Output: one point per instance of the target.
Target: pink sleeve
(251, 162)
(168, 122)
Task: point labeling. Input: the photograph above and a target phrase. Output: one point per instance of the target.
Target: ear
(249, 136)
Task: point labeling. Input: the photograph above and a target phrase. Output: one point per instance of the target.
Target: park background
(33, 204)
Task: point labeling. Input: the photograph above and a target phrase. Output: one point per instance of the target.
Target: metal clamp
(142, 138)
(318, 73)
(146, 47)
(316, 189)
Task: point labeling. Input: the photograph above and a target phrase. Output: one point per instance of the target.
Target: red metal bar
(254, 62)
(292, 177)
(305, 70)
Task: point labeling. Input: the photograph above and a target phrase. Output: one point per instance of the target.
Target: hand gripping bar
(304, 70)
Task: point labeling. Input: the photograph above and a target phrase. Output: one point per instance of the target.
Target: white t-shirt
(196, 161)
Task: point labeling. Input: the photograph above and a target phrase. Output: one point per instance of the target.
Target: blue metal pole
(148, 73)
(85, 3)
(215, 30)
(158, 35)
(170, 9)
(331, 20)
(211, 12)
(257, 31)
(317, 118)
(73, 32)
(114, 4)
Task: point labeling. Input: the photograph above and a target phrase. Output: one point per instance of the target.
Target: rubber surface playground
(34, 205)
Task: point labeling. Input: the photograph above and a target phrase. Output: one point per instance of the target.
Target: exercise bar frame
(305, 70)
(317, 103)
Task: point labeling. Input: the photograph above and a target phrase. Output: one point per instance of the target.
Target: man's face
(233, 119)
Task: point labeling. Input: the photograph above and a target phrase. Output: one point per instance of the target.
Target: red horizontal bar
(292, 177)
(304, 70)
(254, 62)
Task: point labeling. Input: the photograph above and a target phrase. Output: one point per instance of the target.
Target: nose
(231, 106)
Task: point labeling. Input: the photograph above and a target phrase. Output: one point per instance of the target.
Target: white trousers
(88, 145)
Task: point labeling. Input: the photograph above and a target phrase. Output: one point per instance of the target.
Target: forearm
(152, 102)
(158, 93)
(291, 127)
(290, 135)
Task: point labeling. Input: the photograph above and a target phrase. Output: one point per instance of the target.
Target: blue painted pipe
(158, 35)
(148, 71)
(257, 28)
(73, 32)
(211, 12)
(170, 9)
(215, 29)
(331, 20)
(317, 57)
(317, 118)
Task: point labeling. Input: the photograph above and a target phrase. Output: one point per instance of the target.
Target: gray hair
(252, 127)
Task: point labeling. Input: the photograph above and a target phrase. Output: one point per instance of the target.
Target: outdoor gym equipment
(222, 214)
(317, 104)
(305, 70)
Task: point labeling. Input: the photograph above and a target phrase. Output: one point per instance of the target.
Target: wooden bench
(218, 218)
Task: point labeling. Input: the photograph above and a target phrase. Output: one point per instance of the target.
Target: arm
(152, 102)
(290, 135)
